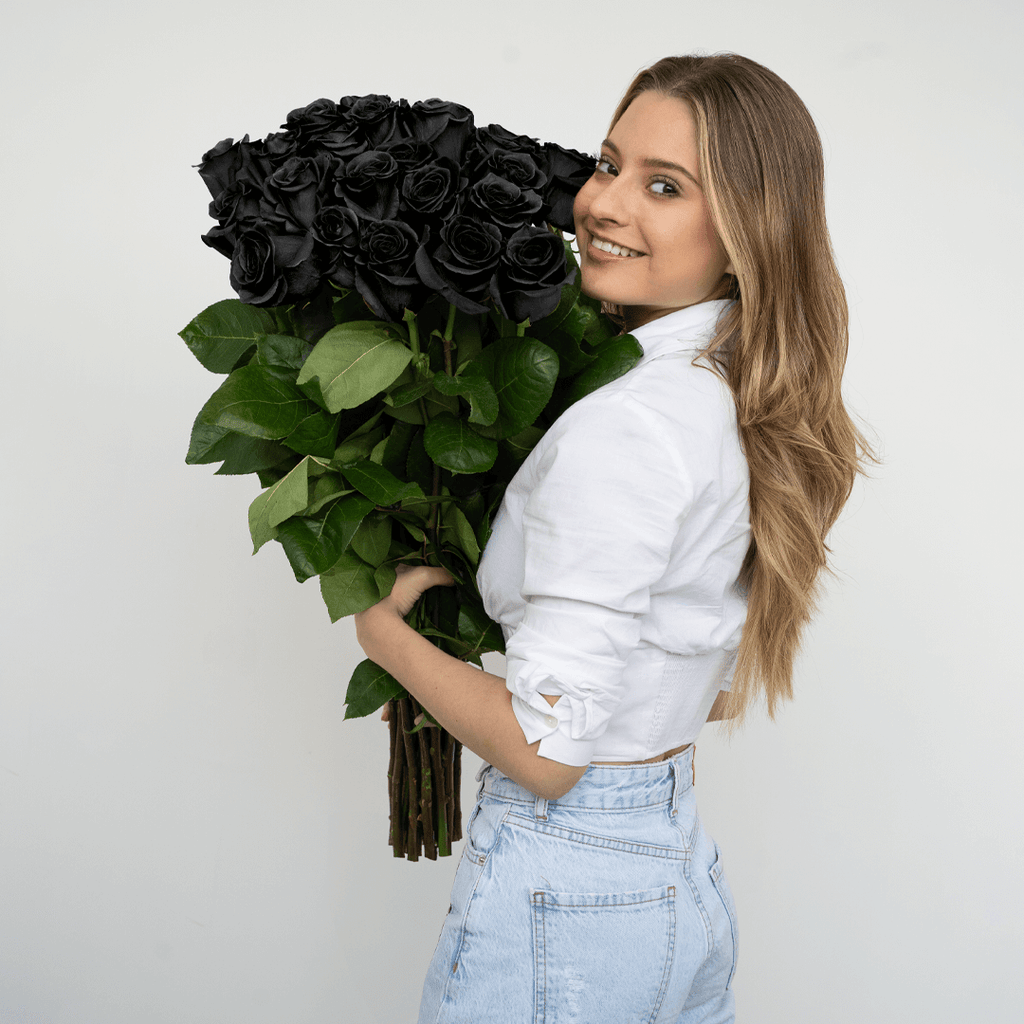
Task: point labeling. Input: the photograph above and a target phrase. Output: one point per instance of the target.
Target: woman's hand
(375, 623)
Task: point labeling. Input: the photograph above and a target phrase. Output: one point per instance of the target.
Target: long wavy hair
(781, 347)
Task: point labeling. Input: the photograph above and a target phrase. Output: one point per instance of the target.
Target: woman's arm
(474, 706)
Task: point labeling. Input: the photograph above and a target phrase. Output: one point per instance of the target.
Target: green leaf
(314, 545)
(385, 577)
(369, 689)
(353, 362)
(454, 445)
(252, 401)
(373, 539)
(327, 498)
(598, 328)
(520, 445)
(473, 384)
(418, 466)
(377, 483)
(315, 435)
(282, 351)
(563, 315)
(523, 371)
(224, 332)
(409, 393)
(397, 450)
(571, 357)
(478, 631)
(279, 501)
(348, 587)
(239, 453)
(354, 449)
(614, 358)
(457, 523)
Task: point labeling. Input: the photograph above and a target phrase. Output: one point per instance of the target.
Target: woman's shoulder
(672, 395)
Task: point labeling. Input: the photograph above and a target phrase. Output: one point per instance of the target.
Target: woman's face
(645, 198)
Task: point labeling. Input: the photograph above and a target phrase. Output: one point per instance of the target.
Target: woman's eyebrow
(650, 161)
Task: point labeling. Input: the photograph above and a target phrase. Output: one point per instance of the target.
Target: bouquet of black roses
(408, 324)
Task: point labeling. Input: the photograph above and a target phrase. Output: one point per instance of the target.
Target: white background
(189, 832)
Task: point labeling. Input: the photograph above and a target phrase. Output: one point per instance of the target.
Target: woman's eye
(604, 165)
(668, 188)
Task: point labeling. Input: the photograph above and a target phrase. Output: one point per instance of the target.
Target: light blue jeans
(607, 906)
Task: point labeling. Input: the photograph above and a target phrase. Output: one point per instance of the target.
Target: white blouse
(613, 559)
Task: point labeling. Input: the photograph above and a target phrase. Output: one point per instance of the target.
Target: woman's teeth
(615, 250)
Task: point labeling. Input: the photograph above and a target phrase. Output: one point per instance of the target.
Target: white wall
(189, 832)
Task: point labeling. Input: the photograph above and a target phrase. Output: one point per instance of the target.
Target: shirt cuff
(552, 731)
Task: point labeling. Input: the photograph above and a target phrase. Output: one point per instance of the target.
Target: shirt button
(551, 720)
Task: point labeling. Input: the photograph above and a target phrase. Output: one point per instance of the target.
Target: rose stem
(413, 841)
(392, 773)
(449, 327)
(426, 787)
(457, 790)
(441, 802)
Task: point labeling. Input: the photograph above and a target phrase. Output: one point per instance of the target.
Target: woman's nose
(611, 203)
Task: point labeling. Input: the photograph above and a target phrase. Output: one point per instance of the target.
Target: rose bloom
(645, 196)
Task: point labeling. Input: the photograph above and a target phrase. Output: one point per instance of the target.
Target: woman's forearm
(473, 705)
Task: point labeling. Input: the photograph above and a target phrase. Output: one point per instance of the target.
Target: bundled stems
(425, 765)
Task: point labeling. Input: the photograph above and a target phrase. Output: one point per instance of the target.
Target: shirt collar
(686, 330)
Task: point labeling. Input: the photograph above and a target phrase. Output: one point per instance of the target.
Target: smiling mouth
(611, 249)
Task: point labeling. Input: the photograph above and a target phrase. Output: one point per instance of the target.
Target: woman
(652, 565)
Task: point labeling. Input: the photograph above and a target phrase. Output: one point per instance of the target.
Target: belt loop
(540, 809)
(676, 780)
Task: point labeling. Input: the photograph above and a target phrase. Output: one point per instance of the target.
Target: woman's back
(613, 560)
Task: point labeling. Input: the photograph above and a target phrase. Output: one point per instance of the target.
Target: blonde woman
(652, 566)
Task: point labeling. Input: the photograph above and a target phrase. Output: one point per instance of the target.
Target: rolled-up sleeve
(609, 498)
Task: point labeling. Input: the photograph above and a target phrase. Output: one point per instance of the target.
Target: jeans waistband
(606, 787)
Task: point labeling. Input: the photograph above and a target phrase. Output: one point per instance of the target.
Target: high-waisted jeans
(606, 906)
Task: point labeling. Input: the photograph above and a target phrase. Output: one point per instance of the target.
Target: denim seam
(573, 808)
(670, 959)
(716, 878)
(461, 942)
(588, 839)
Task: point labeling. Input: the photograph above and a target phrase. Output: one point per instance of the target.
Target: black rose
(494, 138)
(291, 193)
(502, 203)
(305, 126)
(530, 277)
(239, 203)
(220, 164)
(369, 184)
(385, 274)
(519, 168)
(231, 161)
(409, 153)
(461, 264)
(432, 188)
(336, 229)
(236, 208)
(376, 116)
(446, 126)
(567, 171)
(254, 273)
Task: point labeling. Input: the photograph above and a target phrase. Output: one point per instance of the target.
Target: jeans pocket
(602, 956)
(483, 827)
(721, 885)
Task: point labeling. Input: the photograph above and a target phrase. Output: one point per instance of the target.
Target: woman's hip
(599, 901)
